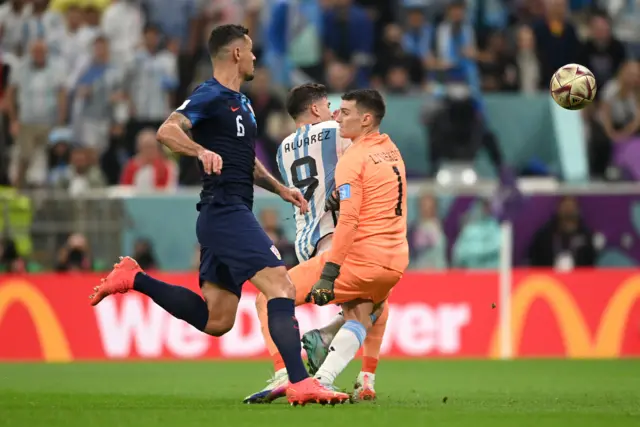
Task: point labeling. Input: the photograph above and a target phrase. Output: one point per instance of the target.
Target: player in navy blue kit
(216, 124)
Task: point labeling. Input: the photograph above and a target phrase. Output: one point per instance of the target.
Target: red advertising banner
(593, 313)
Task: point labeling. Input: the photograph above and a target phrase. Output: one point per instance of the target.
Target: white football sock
(329, 331)
(342, 350)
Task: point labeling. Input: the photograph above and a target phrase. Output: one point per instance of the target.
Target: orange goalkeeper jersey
(372, 184)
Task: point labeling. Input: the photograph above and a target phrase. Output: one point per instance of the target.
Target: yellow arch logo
(578, 340)
(54, 344)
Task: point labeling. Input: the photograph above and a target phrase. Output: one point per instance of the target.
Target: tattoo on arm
(263, 179)
(174, 133)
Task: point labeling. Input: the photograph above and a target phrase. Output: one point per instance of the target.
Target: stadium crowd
(84, 84)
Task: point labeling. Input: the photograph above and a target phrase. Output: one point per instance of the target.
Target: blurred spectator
(620, 103)
(418, 36)
(76, 42)
(270, 221)
(45, 24)
(565, 241)
(295, 40)
(37, 101)
(478, 244)
(122, 24)
(83, 173)
(626, 15)
(339, 77)
(13, 15)
(143, 253)
(528, 67)
(149, 169)
(397, 81)
(457, 130)
(98, 86)
(392, 53)
(74, 255)
(349, 37)
(454, 47)
(10, 260)
(556, 40)
(602, 53)
(620, 117)
(488, 16)
(153, 78)
(61, 141)
(179, 22)
(497, 65)
(427, 241)
(273, 122)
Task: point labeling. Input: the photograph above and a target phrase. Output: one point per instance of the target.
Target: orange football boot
(364, 389)
(310, 390)
(120, 280)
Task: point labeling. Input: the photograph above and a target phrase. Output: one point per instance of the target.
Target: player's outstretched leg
(364, 388)
(347, 341)
(279, 291)
(316, 342)
(178, 301)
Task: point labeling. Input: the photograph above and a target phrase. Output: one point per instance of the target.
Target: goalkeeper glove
(332, 203)
(322, 292)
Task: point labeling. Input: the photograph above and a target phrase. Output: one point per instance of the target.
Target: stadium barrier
(582, 314)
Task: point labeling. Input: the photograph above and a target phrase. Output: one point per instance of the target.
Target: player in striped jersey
(307, 160)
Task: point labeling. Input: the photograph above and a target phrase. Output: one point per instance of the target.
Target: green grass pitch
(537, 393)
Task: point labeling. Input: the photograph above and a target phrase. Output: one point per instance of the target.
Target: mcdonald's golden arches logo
(579, 342)
(53, 342)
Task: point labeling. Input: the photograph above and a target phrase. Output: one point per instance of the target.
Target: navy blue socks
(178, 301)
(285, 333)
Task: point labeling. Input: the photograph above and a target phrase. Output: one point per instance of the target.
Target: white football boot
(364, 389)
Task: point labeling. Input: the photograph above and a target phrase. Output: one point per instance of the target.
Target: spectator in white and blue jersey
(294, 39)
(454, 45)
(488, 16)
(12, 17)
(179, 22)
(123, 24)
(416, 40)
(151, 84)
(37, 101)
(92, 108)
(43, 24)
(75, 45)
(348, 34)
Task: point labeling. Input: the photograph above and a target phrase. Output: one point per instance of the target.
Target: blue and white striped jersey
(307, 160)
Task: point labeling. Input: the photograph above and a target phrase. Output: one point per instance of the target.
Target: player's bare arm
(173, 134)
(263, 179)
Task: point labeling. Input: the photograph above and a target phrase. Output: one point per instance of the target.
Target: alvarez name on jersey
(307, 160)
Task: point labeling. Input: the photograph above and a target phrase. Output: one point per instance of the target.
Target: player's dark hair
(368, 100)
(223, 35)
(301, 97)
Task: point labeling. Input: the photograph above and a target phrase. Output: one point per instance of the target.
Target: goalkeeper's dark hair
(301, 97)
(224, 35)
(368, 101)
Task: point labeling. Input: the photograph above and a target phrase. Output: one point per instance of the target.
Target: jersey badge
(276, 252)
(344, 191)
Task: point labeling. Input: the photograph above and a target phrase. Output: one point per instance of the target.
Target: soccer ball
(573, 87)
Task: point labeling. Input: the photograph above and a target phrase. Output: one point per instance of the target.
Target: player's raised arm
(173, 134)
(263, 179)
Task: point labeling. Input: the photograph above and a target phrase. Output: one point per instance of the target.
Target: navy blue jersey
(223, 122)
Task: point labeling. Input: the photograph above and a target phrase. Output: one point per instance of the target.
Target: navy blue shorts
(233, 246)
